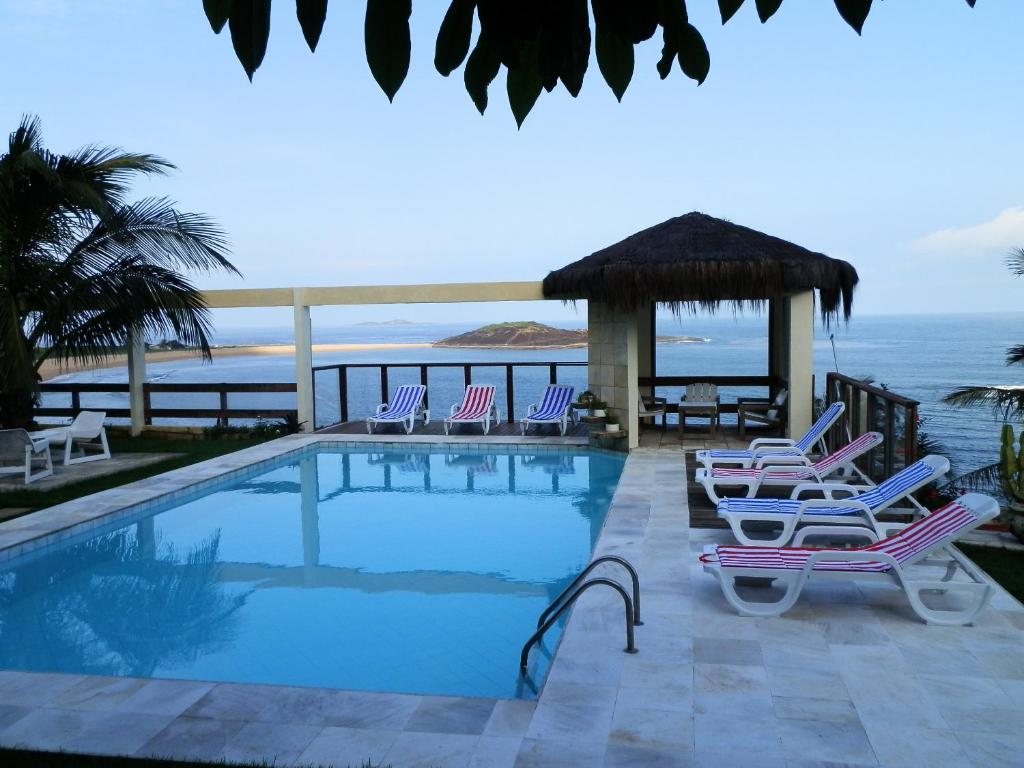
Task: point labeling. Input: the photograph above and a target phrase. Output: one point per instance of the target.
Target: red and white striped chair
(918, 546)
(477, 408)
(764, 474)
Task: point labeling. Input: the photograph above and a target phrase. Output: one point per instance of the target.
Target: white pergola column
(136, 380)
(800, 357)
(303, 361)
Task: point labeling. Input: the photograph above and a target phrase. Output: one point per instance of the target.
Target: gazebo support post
(613, 357)
(799, 353)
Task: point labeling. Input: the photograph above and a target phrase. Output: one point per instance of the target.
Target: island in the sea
(534, 335)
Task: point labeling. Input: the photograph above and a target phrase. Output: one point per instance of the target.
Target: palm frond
(1015, 354)
(1006, 400)
(1015, 261)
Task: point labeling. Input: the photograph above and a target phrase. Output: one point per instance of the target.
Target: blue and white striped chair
(780, 450)
(850, 515)
(405, 407)
(554, 408)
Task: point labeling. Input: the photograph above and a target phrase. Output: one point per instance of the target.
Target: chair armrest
(769, 468)
(798, 460)
(769, 442)
(532, 409)
(752, 400)
(380, 409)
(827, 489)
(452, 410)
(848, 556)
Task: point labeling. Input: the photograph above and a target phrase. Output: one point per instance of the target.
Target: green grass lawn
(25, 758)
(1003, 565)
(192, 451)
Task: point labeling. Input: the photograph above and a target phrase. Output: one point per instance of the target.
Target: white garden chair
(19, 448)
(85, 433)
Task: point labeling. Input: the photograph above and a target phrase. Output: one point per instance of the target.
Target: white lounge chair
(891, 560)
(477, 407)
(19, 448)
(405, 407)
(86, 433)
(700, 399)
(838, 465)
(852, 515)
(783, 450)
(555, 407)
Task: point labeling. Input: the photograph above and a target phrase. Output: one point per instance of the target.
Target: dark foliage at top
(540, 43)
(697, 260)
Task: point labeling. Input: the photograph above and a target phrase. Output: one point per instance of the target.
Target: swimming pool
(414, 570)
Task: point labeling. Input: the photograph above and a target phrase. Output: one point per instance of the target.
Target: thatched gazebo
(695, 262)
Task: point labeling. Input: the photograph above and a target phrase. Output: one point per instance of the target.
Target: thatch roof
(697, 260)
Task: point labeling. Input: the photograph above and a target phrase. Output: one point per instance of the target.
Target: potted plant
(598, 407)
(612, 425)
(584, 400)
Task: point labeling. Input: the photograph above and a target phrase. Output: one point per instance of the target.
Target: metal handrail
(593, 564)
(627, 603)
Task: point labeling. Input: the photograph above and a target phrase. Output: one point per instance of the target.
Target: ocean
(918, 356)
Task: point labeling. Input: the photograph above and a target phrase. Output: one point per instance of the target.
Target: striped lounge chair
(780, 450)
(852, 515)
(555, 407)
(836, 465)
(477, 408)
(920, 546)
(405, 407)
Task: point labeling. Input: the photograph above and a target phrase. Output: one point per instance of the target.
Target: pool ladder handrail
(572, 593)
(583, 574)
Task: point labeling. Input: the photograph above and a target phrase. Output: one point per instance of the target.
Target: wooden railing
(870, 408)
(342, 370)
(771, 383)
(222, 414)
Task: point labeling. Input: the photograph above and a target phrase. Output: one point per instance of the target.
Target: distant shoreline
(51, 369)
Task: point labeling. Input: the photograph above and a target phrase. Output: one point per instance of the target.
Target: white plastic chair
(86, 433)
(16, 445)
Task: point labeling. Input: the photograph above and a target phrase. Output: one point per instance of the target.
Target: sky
(898, 150)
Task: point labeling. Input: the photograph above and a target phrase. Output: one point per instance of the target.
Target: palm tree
(1007, 399)
(81, 268)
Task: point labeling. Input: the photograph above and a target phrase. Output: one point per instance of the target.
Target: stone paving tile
(831, 742)
(560, 753)
(428, 750)
(334, 746)
(641, 727)
(10, 714)
(192, 738)
(496, 752)
(46, 729)
(823, 710)
(119, 733)
(234, 702)
(442, 714)
(511, 717)
(811, 683)
(645, 756)
(34, 689)
(724, 650)
(276, 743)
(165, 697)
(902, 747)
(992, 750)
(98, 693)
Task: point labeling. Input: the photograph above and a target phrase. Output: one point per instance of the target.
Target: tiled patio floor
(76, 473)
(849, 677)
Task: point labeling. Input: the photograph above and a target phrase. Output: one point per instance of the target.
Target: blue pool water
(417, 572)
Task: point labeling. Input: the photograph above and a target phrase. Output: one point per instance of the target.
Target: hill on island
(521, 334)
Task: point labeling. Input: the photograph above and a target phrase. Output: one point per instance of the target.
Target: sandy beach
(50, 370)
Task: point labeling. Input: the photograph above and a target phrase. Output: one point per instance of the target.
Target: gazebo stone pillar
(613, 364)
(798, 311)
(645, 353)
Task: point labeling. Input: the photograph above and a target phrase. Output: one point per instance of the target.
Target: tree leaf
(767, 8)
(578, 56)
(615, 60)
(854, 12)
(388, 45)
(694, 59)
(728, 8)
(481, 69)
(454, 36)
(523, 83)
(311, 15)
(250, 27)
(217, 13)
